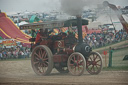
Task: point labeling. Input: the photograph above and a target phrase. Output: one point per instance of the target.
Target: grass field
(117, 57)
(117, 61)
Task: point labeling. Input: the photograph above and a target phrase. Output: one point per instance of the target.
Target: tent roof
(34, 19)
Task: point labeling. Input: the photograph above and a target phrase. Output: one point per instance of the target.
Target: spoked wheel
(94, 63)
(62, 69)
(42, 60)
(76, 64)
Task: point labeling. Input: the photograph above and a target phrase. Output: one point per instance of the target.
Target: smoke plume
(75, 7)
(72, 7)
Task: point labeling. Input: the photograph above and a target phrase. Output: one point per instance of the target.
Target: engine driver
(41, 34)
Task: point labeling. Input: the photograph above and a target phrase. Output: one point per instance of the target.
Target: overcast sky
(41, 5)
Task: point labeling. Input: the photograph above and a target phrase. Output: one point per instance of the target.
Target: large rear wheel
(76, 64)
(42, 60)
(94, 63)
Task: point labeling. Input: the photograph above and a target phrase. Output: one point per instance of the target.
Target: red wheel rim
(40, 60)
(94, 63)
(76, 64)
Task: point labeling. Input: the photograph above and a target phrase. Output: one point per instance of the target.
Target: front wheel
(94, 63)
(42, 60)
(76, 64)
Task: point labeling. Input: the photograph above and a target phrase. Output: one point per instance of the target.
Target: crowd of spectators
(95, 40)
(14, 53)
(102, 39)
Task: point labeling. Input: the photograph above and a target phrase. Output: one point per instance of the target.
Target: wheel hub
(94, 62)
(41, 61)
(75, 64)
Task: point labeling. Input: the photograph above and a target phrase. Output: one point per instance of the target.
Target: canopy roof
(42, 25)
(52, 24)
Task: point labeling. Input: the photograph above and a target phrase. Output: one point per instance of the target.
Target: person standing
(1, 56)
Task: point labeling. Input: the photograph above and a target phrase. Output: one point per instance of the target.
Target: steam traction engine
(63, 52)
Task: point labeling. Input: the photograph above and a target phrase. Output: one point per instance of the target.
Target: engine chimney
(79, 27)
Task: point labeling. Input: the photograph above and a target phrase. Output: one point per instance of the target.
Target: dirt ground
(20, 72)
